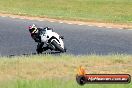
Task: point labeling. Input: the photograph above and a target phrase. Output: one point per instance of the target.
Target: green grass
(61, 83)
(117, 11)
(46, 71)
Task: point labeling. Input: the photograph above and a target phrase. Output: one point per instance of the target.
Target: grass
(46, 71)
(58, 84)
(115, 11)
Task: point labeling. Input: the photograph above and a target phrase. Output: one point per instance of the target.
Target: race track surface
(79, 39)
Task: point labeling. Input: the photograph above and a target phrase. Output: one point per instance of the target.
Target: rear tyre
(57, 46)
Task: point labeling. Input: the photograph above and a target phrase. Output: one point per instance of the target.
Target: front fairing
(48, 34)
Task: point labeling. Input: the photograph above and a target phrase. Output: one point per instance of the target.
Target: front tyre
(57, 46)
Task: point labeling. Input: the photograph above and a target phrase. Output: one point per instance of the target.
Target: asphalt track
(79, 39)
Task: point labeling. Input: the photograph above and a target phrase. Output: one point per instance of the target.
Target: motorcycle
(50, 40)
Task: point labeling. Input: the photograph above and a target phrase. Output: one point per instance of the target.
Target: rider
(35, 34)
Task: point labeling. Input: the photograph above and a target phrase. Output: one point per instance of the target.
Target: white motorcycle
(51, 40)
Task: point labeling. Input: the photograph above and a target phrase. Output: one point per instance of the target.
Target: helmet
(33, 29)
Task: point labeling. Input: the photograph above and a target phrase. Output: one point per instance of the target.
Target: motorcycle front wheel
(57, 46)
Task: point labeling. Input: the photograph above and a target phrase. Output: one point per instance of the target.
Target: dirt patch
(110, 25)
